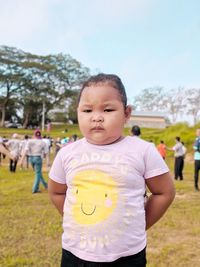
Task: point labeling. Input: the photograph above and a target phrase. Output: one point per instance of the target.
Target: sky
(147, 43)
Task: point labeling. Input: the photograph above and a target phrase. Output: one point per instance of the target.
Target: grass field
(30, 227)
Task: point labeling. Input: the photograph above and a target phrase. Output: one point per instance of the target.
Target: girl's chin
(102, 142)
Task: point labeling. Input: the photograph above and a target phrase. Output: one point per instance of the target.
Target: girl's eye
(108, 110)
(87, 110)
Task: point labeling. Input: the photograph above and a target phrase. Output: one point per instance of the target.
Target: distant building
(147, 119)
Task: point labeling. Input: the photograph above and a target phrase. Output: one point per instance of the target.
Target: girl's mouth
(98, 128)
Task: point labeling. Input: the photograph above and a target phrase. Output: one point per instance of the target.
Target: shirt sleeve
(154, 163)
(174, 148)
(57, 172)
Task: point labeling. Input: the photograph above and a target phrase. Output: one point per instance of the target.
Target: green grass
(30, 226)
(57, 131)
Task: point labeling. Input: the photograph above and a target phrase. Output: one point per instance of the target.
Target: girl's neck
(116, 141)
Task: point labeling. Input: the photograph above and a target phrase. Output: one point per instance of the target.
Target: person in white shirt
(25, 163)
(36, 148)
(178, 163)
(48, 144)
(13, 146)
(4, 150)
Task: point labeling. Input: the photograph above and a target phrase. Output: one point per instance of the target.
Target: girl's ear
(128, 111)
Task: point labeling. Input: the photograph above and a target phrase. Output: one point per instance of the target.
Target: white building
(147, 119)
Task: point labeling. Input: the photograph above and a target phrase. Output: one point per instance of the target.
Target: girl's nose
(97, 118)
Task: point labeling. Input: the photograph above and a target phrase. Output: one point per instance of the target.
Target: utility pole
(43, 114)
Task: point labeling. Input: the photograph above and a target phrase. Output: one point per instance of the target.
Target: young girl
(98, 183)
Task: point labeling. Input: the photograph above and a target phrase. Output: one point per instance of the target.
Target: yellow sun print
(95, 196)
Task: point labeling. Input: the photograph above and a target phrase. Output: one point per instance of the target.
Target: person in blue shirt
(196, 148)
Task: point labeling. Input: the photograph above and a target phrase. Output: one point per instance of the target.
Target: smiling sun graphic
(95, 195)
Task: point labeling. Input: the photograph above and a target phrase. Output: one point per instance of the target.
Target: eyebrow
(88, 105)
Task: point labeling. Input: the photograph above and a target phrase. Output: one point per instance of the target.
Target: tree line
(34, 86)
(31, 84)
(175, 102)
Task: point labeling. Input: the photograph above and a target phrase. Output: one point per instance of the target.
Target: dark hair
(74, 137)
(110, 79)
(178, 138)
(136, 130)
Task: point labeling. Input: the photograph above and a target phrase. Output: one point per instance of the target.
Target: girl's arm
(162, 194)
(57, 194)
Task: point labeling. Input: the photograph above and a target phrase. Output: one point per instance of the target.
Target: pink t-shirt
(104, 216)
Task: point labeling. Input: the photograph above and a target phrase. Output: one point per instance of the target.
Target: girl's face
(101, 114)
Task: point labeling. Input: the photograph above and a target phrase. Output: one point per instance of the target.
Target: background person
(47, 141)
(36, 148)
(23, 146)
(14, 146)
(184, 153)
(74, 138)
(178, 156)
(135, 130)
(4, 150)
(196, 148)
(162, 149)
(57, 145)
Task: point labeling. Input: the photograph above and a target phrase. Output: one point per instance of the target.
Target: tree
(192, 103)
(72, 114)
(172, 102)
(175, 102)
(39, 81)
(10, 77)
(150, 99)
(54, 79)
